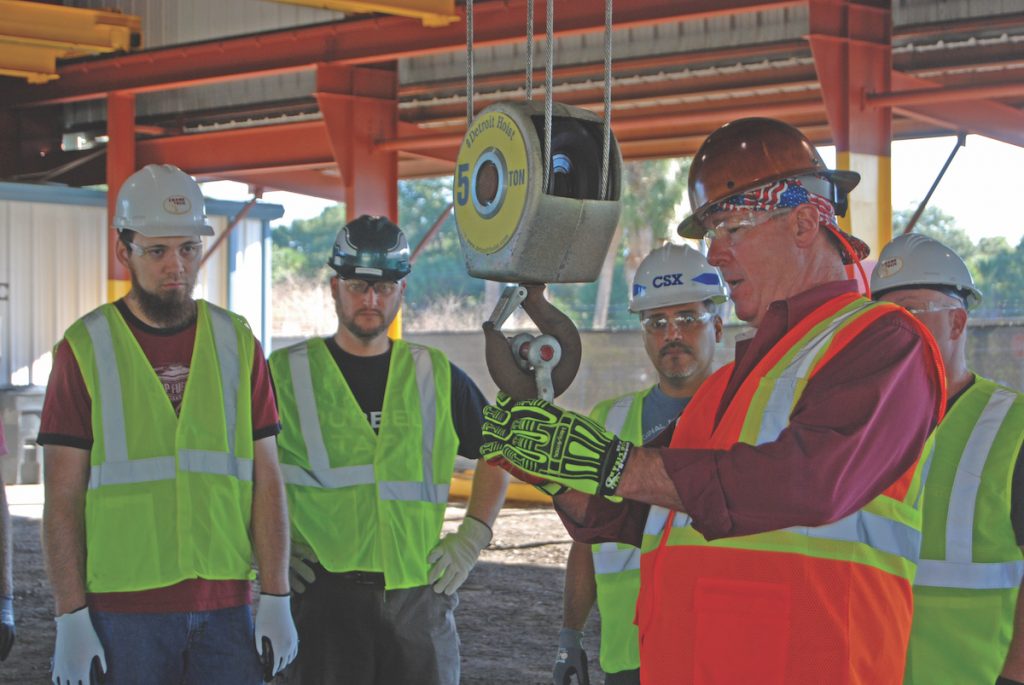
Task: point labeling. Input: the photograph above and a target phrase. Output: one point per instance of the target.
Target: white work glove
(77, 648)
(571, 660)
(300, 567)
(455, 555)
(277, 643)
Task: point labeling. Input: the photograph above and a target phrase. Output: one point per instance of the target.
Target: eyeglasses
(731, 226)
(189, 252)
(931, 307)
(682, 321)
(357, 287)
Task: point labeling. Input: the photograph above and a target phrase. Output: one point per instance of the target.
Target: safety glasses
(734, 224)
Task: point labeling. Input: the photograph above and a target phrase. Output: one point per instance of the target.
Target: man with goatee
(161, 470)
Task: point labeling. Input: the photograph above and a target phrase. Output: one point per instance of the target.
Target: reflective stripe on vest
(117, 468)
(783, 397)
(958, 569)
(321, 474)
(611, 558)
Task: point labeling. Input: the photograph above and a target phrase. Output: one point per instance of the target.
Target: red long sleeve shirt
(858, 426)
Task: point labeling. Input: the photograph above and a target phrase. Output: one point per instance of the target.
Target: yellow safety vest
(617, 565)
(965, 592)
(169, 496)
(366, 501)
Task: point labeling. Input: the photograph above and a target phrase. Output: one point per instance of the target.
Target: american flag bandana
(787, 193)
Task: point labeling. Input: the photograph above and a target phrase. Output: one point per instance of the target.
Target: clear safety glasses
(188, 252)
(358, 287)
(681, 320)
(732, 226)
(930, 307)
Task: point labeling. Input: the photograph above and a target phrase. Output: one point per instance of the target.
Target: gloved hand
(6, 626)
(545, 486)
(455, 555)
(571, 659)
(77, 648)
(555, 444)
(301, 573)
(277, 643)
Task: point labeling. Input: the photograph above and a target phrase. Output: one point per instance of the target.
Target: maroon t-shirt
(67, 420)
(860, 423)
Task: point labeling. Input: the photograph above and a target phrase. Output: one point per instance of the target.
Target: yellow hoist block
(33, 36)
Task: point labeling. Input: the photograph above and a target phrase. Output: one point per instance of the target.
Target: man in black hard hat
(371, 429)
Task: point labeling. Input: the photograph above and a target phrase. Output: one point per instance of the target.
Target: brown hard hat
(748, 153)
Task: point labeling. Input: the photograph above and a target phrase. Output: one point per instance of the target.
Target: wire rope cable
(469, 64)
(548, 78)
(529, 50)
(606, 149)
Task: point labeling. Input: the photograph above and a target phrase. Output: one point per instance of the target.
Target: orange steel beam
(316, 182)
(930, 96)
(365, 41)
(985, 117)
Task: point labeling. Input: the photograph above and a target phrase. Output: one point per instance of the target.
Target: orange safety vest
(805, 605)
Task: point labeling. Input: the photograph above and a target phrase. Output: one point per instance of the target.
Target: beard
(170, 309)
(680, 372)
(364, 333)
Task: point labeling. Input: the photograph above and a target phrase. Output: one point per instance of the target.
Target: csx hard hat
(161, 200)
(913, 260)
(674, 275)
(371, 248)
(749, 153)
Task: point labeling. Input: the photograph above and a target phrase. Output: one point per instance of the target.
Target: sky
(983, 172)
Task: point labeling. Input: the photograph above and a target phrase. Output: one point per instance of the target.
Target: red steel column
(360, 109)
(851, 41)
(120, 165)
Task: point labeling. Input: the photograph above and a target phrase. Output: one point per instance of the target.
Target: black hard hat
(371, 248)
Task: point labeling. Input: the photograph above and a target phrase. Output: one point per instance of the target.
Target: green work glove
(549, 442)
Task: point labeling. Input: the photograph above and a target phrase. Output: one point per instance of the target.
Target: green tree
(440, 269)
(937, 224)
(302, 249)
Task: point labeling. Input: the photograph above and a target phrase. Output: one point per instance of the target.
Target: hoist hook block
(513, 227)
(502, 363)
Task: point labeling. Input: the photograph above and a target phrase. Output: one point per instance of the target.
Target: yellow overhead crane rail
(33, 36)
(430, 12)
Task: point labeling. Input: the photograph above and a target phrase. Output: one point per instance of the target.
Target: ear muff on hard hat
(913, 260)
(371, 248)
(748, 153)
(675, 275)
(161, 200)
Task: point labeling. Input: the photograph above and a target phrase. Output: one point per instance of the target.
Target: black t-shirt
(367, 377)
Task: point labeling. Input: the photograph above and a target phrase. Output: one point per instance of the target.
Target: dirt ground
(508, 618)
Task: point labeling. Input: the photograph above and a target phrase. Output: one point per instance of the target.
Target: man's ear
(718, 328)
(121, 252)
(805, 225)
(959, 323)
(335, 284)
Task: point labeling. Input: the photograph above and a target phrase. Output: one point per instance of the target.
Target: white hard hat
(914, 260)
(675, 274)
(161, 200)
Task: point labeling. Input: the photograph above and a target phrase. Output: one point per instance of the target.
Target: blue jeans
(201, 648)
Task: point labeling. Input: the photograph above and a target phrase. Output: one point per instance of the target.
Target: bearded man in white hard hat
(966, 616)
(162, 480)
(676, 294)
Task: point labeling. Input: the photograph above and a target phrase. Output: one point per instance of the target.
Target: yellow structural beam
(430, 12)
(33, 36)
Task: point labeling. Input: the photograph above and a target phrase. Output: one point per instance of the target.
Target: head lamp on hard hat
(371, 248)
